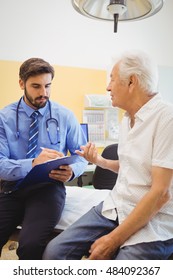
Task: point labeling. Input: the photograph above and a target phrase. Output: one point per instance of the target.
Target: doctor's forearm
(12, 170)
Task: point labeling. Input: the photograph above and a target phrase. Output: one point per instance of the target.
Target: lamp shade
(117, 10)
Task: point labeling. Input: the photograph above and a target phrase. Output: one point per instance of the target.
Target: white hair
(141, 65)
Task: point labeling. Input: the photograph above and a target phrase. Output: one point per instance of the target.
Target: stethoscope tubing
(47, 123)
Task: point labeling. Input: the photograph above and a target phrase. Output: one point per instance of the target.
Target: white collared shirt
(149, 143)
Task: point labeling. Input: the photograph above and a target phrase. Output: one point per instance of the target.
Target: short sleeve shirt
(148, 143)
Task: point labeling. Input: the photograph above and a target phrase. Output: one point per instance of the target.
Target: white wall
(166, 82)
(52, 29)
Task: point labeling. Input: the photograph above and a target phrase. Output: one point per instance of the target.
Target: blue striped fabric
(33, 135)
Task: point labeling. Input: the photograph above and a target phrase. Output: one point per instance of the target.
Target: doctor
(37, 207)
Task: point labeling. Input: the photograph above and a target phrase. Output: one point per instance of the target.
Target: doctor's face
(37, 90)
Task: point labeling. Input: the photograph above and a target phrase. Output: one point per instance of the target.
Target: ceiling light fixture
(117, 10)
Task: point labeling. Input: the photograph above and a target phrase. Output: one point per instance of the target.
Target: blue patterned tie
(33, 135)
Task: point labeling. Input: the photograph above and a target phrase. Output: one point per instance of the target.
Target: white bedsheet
(78, 202)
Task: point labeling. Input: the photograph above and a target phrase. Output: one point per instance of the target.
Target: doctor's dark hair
(33, 67)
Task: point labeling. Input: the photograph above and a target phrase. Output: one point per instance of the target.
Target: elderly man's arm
(90, 153)
(148, 206)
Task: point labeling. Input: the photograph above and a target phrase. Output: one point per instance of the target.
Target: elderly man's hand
(89, 152)
(103, 248)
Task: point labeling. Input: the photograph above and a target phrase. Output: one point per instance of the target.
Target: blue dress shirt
(14, 144)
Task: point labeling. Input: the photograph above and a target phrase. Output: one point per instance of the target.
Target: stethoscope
(52, 120)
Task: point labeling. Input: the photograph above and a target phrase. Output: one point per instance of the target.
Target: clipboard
(40, 172)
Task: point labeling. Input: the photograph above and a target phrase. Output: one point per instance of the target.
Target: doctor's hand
(63, 174)
(45, 155)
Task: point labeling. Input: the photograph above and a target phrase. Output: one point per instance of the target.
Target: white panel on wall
(166, 82)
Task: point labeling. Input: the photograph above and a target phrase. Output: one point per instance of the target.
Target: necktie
(33, 135)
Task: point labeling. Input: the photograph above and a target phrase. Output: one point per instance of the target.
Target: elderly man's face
(119, 90)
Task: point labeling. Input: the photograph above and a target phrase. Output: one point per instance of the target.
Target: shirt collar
(142, 113)
(30, 110)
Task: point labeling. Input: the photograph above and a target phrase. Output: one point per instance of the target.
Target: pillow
(78, 202)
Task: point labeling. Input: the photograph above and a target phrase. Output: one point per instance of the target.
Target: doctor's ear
(21, 84)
